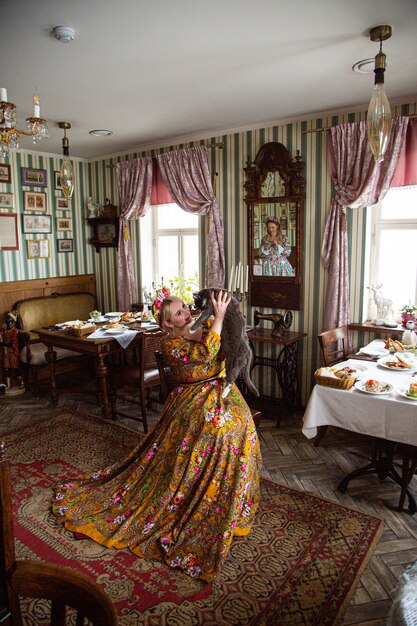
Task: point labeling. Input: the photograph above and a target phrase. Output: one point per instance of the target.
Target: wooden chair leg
(321, 431)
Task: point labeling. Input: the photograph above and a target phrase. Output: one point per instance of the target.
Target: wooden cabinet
(105, 232)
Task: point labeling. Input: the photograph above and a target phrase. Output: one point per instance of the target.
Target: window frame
(377, 225)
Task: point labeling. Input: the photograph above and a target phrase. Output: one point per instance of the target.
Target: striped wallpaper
(97, 179)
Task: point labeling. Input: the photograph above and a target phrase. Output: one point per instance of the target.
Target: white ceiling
(157, 70)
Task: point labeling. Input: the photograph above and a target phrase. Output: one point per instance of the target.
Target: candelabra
(37, 127)
(239, 295)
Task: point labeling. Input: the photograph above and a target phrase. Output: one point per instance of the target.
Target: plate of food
(393, 345)
(128, 317)
(99, 319)
(397, 362)
(374, 387)
(409, 392)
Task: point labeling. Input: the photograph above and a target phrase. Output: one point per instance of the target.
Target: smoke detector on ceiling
(64, 34)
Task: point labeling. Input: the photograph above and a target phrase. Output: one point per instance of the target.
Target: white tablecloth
(389, 416)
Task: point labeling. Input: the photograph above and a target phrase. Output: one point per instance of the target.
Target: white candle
(36, 105)
(242, 279)
(247, 278)
(232, 272)
(3, 94)
(237, 284)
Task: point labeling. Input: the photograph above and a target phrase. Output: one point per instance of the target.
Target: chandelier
(37, 127)
(379, 118)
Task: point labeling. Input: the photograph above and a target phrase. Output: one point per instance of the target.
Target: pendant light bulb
(379, 118)
(379, 122)
(67, 174)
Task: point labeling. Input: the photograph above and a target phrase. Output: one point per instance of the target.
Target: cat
(235, 343)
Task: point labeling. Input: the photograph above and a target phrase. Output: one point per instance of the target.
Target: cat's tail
(245, 373)
(251, 387)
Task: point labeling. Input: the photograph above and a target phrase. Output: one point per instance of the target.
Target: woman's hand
(220, 304)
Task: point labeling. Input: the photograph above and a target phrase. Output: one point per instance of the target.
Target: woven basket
(79, 332)
(336, 383)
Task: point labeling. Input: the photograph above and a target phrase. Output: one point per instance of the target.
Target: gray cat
(235, 343)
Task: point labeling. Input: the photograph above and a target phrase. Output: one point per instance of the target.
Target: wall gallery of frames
(44, 235)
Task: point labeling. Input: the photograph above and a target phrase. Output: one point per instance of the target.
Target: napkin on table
(124, 339)
(409, 338)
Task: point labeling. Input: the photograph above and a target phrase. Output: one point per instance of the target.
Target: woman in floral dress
(193, 482)
(275, 250)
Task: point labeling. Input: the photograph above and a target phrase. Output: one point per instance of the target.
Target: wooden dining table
(100, 349)
(389, 420)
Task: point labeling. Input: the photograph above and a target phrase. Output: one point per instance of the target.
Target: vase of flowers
(408, 314)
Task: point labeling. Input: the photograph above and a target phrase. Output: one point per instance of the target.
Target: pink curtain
(135, 182)
(406, 172)
(160, 193)
(186, 173)
(359, 182)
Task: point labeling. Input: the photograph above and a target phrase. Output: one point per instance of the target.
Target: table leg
(382, 464)
(287, 374)
(102, 377)
(50, 356)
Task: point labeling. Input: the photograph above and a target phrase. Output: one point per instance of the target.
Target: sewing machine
(281, 322)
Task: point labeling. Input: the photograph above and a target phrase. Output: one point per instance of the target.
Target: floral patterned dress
(190, 485)
(275, 258)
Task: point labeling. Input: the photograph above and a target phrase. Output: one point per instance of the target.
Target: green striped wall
(98, 180)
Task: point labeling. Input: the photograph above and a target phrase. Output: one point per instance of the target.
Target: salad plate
(404, 393)
(360, 385)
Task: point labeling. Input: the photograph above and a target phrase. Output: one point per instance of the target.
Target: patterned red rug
(299, 565)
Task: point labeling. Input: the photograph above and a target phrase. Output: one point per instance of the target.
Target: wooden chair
(63, 586)
(335, 347)
(142, 375)
(168, 382)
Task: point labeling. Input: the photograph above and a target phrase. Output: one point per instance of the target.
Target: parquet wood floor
(291, 459)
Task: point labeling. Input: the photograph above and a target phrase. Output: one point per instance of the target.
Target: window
(169, 244)
(393, 258)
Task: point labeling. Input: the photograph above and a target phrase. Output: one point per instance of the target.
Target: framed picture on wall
(62, 204)
(35, 201)
(36, 223)
(6, 200)
(32, 177)
(8, 232)
(57, 181)
(5, 173)
(63, 223)
(65, 245)
(38, 248)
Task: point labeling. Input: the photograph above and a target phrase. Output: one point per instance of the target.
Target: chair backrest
(334, 344)
(151, 341)
(36, 579)
(168, 381)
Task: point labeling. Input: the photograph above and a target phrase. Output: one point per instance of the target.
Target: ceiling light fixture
(9, 134)
(366, 66)
(100, 132)
(67, 175)
(379, 117)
